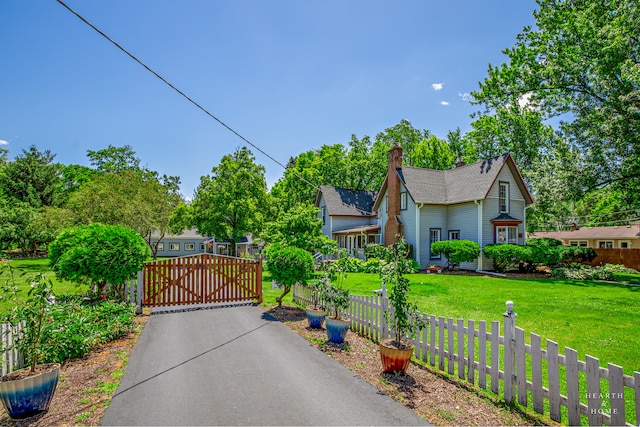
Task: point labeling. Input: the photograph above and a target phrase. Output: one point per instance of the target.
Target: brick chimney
(393, 228)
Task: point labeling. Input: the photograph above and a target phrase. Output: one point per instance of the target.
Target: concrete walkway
(240, 366)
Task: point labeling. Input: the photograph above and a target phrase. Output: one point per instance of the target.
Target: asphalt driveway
(240, 366)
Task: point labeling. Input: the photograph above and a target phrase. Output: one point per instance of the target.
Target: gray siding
(345, 222)
(431, 217)
(181, 247)
(326, 226)
(464, 218)
(408, 218)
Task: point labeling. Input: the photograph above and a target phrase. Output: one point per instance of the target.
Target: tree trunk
(287, 289)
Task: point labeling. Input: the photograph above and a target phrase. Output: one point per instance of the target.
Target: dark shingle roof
(462, 184)
(341, 201)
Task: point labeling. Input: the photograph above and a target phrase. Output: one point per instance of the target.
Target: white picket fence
(11, 358)
(477, 353)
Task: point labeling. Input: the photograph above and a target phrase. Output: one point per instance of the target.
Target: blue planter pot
(29, 396)
(315, 317)
(337, 329)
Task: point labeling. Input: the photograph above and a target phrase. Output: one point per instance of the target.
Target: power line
(188, 98)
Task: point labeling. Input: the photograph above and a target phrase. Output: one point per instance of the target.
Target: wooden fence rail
(509, 366)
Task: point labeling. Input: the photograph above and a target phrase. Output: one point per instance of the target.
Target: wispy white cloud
(444, 103)
(465, 96)
(3, 142)
(437, 86)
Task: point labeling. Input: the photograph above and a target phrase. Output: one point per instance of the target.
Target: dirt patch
(431, 395)
(85, 386)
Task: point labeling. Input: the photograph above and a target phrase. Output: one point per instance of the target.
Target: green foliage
(374, 250)
(526, 258)
(579, 61)
(576, 271)
(403, 320)
(98, 254)
(543, 241)
(76, 327)
(288, 264)
(299, 227)
(457, 251)
(335, 297)
(231, 202)
(31, 314)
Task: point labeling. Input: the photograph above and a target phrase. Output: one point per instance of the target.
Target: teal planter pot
(29, 396)
(337, 329)
(315, 317)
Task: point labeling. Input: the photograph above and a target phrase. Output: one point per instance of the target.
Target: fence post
(509, 352)
(139, 291)
(385, 307)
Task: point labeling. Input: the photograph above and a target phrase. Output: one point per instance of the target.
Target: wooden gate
(201, 279)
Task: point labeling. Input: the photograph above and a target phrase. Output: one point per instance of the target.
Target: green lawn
(28, 268)
(595, 318)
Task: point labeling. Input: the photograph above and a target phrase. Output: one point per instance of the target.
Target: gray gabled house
(348, 217)
(485, 202)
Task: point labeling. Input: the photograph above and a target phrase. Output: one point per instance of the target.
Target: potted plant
(395, 353)
(336, 301)
(315, 312)
(29, 391)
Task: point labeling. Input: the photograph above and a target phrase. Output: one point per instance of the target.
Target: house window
(403, 200)
(504, 197)
(625, 244)
(201, 247)
(160, 246)
(434, 236)
(579, 243)
(454, 234)
(605, 244)
(174, 246)
(324, 214)
(507, 234)
(189, 247)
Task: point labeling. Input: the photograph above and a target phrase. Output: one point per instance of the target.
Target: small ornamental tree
(456, 251)
(403, 320)
(98, 255)
(288, 265)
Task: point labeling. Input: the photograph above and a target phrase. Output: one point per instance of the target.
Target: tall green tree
(33, 178)
(230, 202)
(581, 63)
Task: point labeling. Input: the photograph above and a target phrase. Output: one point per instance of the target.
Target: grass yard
(28, 268)
(595, 318)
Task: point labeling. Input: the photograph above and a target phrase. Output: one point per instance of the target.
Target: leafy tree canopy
(230, 203)
(581, 62)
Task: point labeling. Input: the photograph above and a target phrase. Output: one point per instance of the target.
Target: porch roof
(363, 229)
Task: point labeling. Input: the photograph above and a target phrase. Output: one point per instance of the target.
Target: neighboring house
(622, 236)
(348, 217)
(485, 202)
(190, 242)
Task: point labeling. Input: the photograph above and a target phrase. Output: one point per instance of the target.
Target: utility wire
(200, 107)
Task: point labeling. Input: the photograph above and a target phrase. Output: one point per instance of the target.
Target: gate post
(139, 291)
(259, 279)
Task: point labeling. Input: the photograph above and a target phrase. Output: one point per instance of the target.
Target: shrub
(374, 250)
(288, 265)
(456, 251)
(98, 255)
(575, 271)
(526, 258)
(543, 241)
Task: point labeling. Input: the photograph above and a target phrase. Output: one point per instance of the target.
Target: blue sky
(288, 75)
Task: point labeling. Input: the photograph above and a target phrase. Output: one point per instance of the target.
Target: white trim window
(189, 247)
(403, 201)
(503, 197)
(507, 234)
(434, 236)
(605, 244)
(579, 243)
(454, 234)
(174, 246)
(160, 246)
(624, 244)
